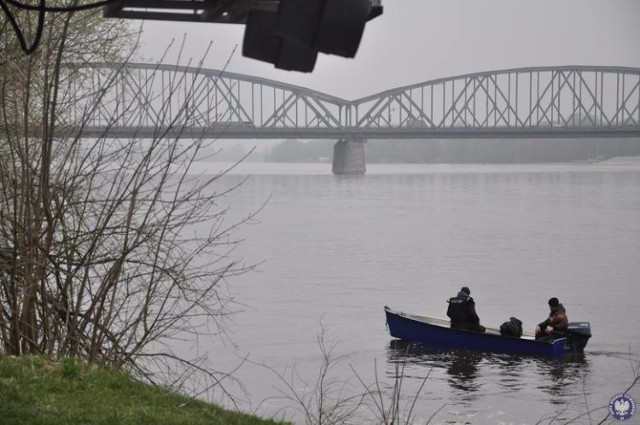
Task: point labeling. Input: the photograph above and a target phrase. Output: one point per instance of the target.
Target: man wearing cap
(462, 312)
(556, 323)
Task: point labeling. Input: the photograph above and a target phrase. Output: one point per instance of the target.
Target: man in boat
(556, 324)
(462, 312)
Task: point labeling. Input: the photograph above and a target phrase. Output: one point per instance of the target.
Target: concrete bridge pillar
(348, 157)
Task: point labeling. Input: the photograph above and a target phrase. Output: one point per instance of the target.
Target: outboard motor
(578, 334)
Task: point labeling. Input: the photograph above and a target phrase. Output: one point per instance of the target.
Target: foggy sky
(419, 40)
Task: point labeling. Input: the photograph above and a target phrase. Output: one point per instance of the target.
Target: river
(333, 250)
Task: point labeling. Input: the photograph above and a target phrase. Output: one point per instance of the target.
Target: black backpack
(511, 328)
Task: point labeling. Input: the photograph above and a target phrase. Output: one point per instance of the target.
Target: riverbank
(34, 390)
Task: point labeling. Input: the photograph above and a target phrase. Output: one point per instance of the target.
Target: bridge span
(132, 100)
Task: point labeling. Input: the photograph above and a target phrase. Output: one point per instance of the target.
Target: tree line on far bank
(447, 151)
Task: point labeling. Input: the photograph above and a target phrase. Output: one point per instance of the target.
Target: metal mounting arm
(287, 33)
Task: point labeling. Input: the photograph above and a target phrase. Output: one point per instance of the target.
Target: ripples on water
(337, 249)
(467, 371)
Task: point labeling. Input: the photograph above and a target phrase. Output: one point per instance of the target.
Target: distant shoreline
(623, 160)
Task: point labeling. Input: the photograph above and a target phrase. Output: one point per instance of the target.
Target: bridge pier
(348, 157)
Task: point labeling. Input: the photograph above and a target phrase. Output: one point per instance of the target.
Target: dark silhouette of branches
(114, 251)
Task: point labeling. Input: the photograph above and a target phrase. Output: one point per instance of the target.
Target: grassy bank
(34, 390)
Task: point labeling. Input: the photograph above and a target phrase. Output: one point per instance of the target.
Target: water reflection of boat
(435, 332)
(461, 366)
(467, 371)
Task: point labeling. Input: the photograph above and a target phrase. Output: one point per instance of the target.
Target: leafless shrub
(330, 398)
(113, 251)
(388, 403)
(325, 400)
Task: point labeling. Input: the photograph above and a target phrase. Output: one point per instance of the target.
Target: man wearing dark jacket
(462, 312)
(556, 323)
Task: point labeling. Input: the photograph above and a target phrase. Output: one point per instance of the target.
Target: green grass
(36, 391)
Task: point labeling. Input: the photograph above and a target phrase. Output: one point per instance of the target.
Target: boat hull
(412, 328)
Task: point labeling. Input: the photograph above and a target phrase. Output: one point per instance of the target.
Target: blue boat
(436, 332)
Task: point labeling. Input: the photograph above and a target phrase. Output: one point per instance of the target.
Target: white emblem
(621, 407)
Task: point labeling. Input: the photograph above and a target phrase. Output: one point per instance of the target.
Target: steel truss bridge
(145, 101)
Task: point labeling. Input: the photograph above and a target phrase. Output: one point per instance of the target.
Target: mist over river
(334, 250)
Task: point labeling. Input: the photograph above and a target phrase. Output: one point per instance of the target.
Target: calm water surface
(334, 250)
